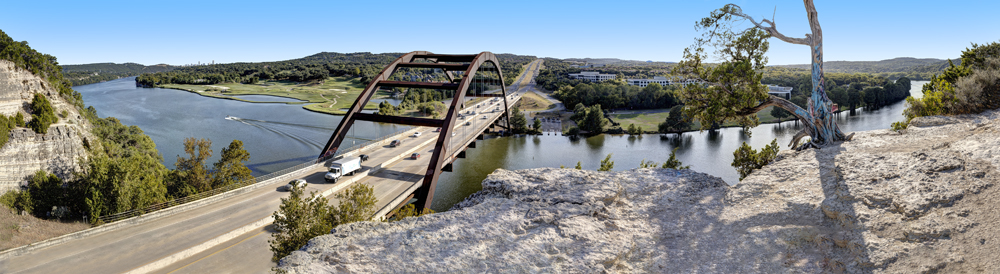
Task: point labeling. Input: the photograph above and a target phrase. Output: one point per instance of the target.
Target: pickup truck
(345, 166)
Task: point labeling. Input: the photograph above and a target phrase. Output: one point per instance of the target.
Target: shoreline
(304, 103)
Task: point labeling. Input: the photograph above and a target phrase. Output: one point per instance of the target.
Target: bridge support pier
(461, 154)
(447, 168)
(472, 145)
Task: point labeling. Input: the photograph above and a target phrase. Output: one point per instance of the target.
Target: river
(279, 135)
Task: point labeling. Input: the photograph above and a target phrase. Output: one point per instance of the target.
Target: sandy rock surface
(58, 151)
(919, 202)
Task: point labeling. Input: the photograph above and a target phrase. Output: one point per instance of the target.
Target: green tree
(632, 130)
(231, 167)
(780, 113)
(517, 121)
(43, 114)
(537, 125)
(578, 165)
(579, 112)
(19, 201)
(594, 121)
(732, 88)
(673, 163)
(297, 220)
(746, 159)
(19, 119)
(191, 173)
(357, 203)
(676, 121)
(46, 193)
(607, 164)
(573, 131)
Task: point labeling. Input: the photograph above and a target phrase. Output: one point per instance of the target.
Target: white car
(294, 183)
(484, 117)
(416, 134)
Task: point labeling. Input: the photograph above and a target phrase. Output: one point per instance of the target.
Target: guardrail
(261, 179)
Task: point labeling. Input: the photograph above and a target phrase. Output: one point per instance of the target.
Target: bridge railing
(258, 180)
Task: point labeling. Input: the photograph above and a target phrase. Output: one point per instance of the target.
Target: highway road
(155, 245)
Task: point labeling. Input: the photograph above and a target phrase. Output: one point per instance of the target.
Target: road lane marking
(217, 252)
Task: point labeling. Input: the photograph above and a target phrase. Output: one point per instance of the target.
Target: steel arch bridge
(474, 69)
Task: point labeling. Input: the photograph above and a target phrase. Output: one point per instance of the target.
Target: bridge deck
(230, 235)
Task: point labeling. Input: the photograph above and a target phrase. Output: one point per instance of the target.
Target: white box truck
(345, 166)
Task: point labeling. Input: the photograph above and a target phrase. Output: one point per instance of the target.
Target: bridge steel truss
(470, 64)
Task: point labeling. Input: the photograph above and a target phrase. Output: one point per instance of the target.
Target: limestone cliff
(919, 202)
(58, 151)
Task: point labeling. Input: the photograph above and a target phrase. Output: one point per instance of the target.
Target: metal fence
(258, 180)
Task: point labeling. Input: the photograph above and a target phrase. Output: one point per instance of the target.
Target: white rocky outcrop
(921, 201)
(58, 151)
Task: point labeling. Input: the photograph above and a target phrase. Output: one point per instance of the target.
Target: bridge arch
(469, 65)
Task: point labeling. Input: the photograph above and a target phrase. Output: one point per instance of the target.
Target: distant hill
(599, 62)
(100, 72)
(913, 68)
(318, 66)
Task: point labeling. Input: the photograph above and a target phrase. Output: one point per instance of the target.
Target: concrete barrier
(17, 251)
(176, 257)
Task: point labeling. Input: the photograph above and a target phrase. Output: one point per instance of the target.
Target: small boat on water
(229, 117)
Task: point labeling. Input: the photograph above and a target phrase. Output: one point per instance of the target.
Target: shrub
(972, 87)
(607, 164)
(19, 201)
(19, 119)
(898, 126)
(42, 114)
(673, 163)
(746, 159)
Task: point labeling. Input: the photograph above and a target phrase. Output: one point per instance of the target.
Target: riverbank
(885, 202)
(331, 96)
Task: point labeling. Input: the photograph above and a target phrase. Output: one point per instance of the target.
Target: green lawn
(651, 121)
(330, 96)
(648, 121)
(533, 102)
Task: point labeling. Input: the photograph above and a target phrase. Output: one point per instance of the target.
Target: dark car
(415, 156)
(395, 143)
(364, 157)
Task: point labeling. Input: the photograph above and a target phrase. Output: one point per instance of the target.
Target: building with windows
(784, 92)
(663, 81)
(592, 76)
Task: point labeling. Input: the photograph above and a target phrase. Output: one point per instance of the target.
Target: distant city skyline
(188, 32)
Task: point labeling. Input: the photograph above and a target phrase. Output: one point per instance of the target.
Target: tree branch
(771, 28)
(778, 102)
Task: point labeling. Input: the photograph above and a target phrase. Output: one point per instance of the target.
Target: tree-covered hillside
(913, 68)
(100, 72)
(314, 67)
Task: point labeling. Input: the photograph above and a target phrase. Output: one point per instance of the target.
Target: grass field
(17, 230)
(330, 96)
(650, 121)
(533, 102)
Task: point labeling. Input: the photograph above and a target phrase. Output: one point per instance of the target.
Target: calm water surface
(277, 135)
(280, 135)
(708, 152)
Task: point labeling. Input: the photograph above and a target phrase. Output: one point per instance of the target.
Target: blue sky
(184, 32)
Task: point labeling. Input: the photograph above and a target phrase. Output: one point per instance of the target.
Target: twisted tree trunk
(818, 118)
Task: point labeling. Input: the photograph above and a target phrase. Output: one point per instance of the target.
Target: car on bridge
(437, 130)
(396, 143)
(484, 117)
(468, 123)
(416, 134)
(415, 156)
(293, 184)
(364, 157)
